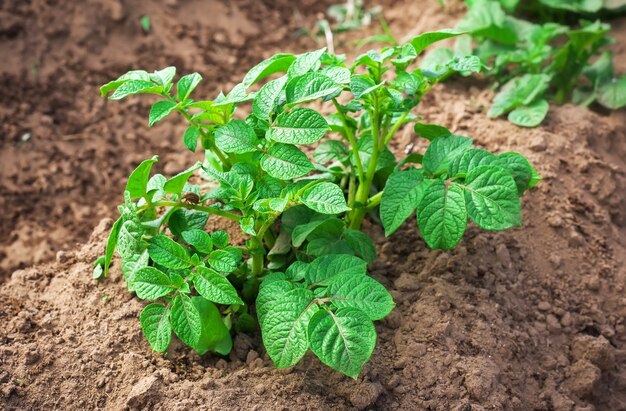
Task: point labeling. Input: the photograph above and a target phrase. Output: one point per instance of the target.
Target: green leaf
(220, 238)
(424, 40)
(612, 94)
(270, 293)
(190, 138)
(176, 184)
(519, 91)
(403, 192)
(442, 150)
(131, 265)
(214, 335)
(310, 87)
(131, 75)
(111, 243)
(323, 269)
(324, 223)
(215, 287)
(520, 169)
(160, 110)
(361, 244)
(305, 62)
(339, 75)
(164, 77)
(579, 6)
(491, 196)
(284, 327)
(325, 198)
(98, 268)
(470, 159)
(267, 98)
(186, 85)
(299, 126)
(236, 137)
(129, 240)
(198, 239)
(168, 253)
(361, 292)
(343, 340)
(150, 283)
(362, 85)
(285, 162)
(431, 131)
(275, 64)
(186, 320)
(156, 326)
(330, 150)
(531, 115)
(185, 220)
(224, 261)
(131, 87)
(441, 215)
(466, 64)
(138, 180)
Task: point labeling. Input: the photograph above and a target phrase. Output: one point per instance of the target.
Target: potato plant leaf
(285, 162)
(186, 320)
(168, 253)
(299, 126)
(156, 326)
(284, 327)
(442, 215)
(343, 340)
(215, 287)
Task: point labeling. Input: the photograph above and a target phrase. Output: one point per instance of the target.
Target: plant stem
(257, 263)
(351, 140)
(362, 193)
(395, 127)
(374, 200)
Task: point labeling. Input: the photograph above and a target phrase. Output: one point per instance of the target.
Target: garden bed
(532, 318)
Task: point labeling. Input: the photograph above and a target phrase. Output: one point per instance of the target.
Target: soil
(527, 319)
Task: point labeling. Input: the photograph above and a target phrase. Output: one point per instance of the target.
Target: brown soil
(529, 319)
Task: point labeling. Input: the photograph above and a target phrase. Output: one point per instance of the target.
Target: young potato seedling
(302, 273)
(534, 63)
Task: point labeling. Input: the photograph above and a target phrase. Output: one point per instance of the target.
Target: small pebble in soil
(365, 395)
(259, 389)
(538, 143)
(221, 364)
(554, 326)
(544, 306)
(503, 255)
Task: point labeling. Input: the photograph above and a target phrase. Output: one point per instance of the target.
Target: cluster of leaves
(574, 6)
(303, 266)
(532, 63)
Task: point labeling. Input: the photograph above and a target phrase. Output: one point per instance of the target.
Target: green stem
(374, 200)
(210, 210)
(351, 140)
(258, 262)
(362, 193)
(395, 127)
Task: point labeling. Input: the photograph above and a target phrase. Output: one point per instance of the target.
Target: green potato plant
(301, 274)
(534, 63)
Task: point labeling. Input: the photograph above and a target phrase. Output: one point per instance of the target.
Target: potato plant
(535, 63)
(301, 275)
